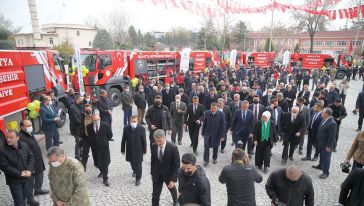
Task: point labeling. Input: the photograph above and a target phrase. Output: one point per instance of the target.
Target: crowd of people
(249, 109)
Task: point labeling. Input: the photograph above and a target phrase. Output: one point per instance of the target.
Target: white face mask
(127, 90)
(88, 100)
(56, 164)
(30, 129)
(50, 103)
(133, 125)
(178, 100)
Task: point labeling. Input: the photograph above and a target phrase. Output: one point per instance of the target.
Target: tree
(133, 37)
(66, 51)
(224, 26)
(312, 23)
(207, 31)
(6, 31)
(296, 48)
(239, 34)
(150, 41)
(266, 45)
(140, 39)
(103, 40)
(6, 24)
(117, 24)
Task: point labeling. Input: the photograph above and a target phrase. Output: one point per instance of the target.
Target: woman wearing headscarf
(265, 135)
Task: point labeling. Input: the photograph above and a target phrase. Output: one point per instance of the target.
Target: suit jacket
(191, 117)
(305, 111)
(277, 120)
(103, 105)
(291, 128)
(284, 105)
(306, 96)
(47, 116)
(313, 102)
(35, 149)
(240, 128)
(135, 142)
(168, 98)
(265, 100)
(101, 140)
(313, 126)
(326, 133)
(261, 109)
(233, 106)
(228, 116)
(273, 136)
(214, 126)
(169, 166)
(176, 116)
(75, 113)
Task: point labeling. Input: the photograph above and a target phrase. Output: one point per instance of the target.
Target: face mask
(167, 87)
(88, 112)
(142, 90)
(178, 100)
(275, 107)
(133, 124)
(269, 94)
(298, 105)
(97, 122)
(127, 90)
(255, 101)
(294, 115)
(50, 102)
(56, 164)
(88, 100)
(220, 109)
(158, 102)
(29, 130)
(189, 173)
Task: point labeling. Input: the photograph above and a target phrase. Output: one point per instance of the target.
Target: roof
(68, 26)
(282, 34)
(334, 34)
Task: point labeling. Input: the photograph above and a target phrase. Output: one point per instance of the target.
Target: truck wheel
(115, 96)
(340, 74)
(63, 115)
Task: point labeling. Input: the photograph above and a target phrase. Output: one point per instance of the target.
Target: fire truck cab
(108, 70)
(24, 77)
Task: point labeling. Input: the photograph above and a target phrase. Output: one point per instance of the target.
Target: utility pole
(271, 28)
(358, 29)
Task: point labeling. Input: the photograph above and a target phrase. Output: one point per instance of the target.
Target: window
(105, 60)
(317, 52)
(89, 43)
(341, 43)
(357, 43)
(51, 41)
(338, 52)
(78, 33)
(329, 43)
(317, 43)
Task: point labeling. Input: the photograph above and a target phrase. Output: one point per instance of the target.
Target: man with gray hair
(165, 163)
(282, 102)
(290, 187)
(326, 134)
(178, 110)
(67, 179)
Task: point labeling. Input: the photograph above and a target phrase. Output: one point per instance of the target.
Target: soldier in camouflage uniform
(66, 179)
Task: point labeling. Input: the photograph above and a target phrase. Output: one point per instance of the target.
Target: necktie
(194, 109)
(161, 153)
(97, 129)
(177, 105)
(237, 105)
(244, 116)
(256, 112)
(313, 120)
(293, 119)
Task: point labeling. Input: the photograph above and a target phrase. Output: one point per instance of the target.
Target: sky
(144, 16)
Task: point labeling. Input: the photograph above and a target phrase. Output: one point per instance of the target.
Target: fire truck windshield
(89, 60)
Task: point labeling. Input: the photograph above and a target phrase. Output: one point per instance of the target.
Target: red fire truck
(261, 59)
(199, 60)
(24, 77)
(309, 62)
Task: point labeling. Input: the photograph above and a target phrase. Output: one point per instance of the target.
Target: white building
(54, 34)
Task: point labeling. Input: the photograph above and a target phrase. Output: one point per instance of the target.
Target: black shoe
(179, 143)
(214, 162)
(33, 202)
(324, 176)
(259, 167)
(205, 164)
(358, 130)
(143, 123)
(305, 159)
(232, 144)
(137, 183)
(334, 150)
(60, 142)
(284, 162)
(265, 170)
(133, 175)
(195, 152)
(291, 158)
(175, 203)
(41, 192)
(191, 145)
(319, 167)
(250, 156)
(222, 151)
(106, 183)
(111, 139)
(100, 175)
(300, 152)
(314, 159)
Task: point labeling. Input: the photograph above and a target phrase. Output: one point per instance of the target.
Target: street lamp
(271, 28)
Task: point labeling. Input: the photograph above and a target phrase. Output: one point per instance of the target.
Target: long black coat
(101, 140)
(13, 161)
(169, 166)
(353, 184)
(35, 149)
(291, 128)
(135, 143)
(75, 113)
(103, 105)
(273, 137)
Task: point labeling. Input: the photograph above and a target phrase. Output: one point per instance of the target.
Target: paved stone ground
(123, 192)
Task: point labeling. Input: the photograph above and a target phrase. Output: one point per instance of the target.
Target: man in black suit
(49, 117)
(105, 107)
(168, 95)
(326, 139)
(305, 93)
(194, 117)
(267, 98)
(100, 132)
(315, 99)
(312, 128)
(289, 95)
(282, 102)
(134, 139)
(35, 182)
(228, 119)
(210, 98)
(75, 112)
(257, 108)
(235, 104)
(165, 163)
(293, 125)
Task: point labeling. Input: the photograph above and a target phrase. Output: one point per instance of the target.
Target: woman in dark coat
(264, 135)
